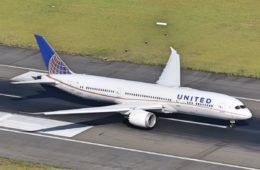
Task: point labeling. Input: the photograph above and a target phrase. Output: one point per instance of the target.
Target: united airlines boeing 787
(135, 100)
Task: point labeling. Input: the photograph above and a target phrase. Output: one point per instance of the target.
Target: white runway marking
(24, 68)
(42, 125)
(10, 95)
(6, 116)
(193, 122)
(132, 150)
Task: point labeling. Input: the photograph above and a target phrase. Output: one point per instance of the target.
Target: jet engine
(142, 118)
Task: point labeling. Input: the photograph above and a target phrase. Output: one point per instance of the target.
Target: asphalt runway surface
(114, 144)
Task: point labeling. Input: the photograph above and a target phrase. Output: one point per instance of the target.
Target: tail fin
(53, 62)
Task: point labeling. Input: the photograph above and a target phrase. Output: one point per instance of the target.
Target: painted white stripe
(6, 116)
(193, 122)
(42, 125)
(24, 68)
(245, 98)
(10, 95)
(132, 150)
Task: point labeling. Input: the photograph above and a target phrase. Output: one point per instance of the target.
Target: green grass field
(212, 35)
(8, 164)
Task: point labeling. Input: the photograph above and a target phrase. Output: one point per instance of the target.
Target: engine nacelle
(142, 118)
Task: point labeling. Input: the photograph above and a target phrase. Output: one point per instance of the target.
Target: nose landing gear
(232, 123)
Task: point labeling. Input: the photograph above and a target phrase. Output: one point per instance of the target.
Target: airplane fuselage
(173, 99)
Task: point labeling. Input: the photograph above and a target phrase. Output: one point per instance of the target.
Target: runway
(170, 145)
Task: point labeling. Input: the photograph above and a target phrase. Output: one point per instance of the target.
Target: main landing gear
(232, 123)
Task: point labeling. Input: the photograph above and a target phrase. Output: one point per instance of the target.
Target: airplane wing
(32, 77)
(171, 75)
(105, 109)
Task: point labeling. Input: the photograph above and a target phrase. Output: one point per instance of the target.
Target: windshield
(240, 107)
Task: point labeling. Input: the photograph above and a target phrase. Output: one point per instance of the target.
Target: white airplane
(135, 100)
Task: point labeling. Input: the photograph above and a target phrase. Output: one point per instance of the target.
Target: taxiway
(113, 144)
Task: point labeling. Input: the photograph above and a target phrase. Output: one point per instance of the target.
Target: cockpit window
(237, 107)
(240, 107)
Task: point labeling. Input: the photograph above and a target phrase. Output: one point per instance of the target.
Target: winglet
(53, 62)
(171, 73)
(32, 77)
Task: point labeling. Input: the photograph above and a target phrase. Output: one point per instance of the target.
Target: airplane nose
(247, 114)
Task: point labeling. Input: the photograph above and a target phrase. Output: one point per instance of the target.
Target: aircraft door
(222, 107)
(119, 92)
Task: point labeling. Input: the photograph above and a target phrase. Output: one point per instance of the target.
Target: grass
(8, 164)
(212, 35)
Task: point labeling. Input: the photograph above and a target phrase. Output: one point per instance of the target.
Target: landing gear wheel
(232, 123)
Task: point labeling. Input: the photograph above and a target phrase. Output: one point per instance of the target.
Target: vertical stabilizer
(53, 62)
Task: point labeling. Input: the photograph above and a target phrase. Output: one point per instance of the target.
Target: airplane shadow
(201, 119)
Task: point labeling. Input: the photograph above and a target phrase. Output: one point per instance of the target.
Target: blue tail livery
(53, 62)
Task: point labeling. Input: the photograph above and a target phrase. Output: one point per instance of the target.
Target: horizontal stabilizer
(34, 82)
(105, 109)
(32, 77)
